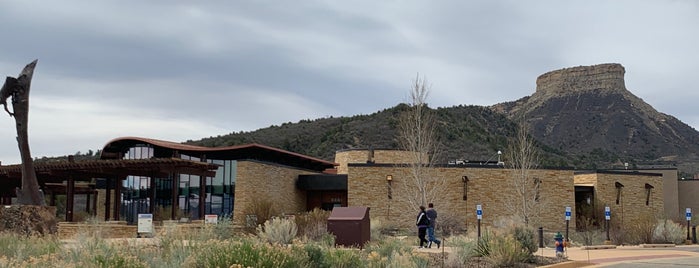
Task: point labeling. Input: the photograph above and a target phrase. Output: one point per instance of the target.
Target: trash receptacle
(350, 225)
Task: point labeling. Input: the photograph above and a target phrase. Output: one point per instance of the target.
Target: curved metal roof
(116, 148)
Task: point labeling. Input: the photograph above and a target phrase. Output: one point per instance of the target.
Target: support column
(70, 198)
(94, 203)
(108, 199)
(117, 199)
(174, 184)
(87, 202)
(151, 195)
(202, 197)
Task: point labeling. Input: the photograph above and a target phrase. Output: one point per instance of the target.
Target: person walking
(422, 223)
(432, 216)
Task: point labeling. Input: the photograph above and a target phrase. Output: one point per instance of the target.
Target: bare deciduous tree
(522, 157)
(417, 134)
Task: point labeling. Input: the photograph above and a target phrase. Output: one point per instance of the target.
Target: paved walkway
(622, 254)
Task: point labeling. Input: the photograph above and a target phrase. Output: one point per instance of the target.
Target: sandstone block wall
(101, 201)
(670, 193)
(257, 181)
(632, 201)
(689, 198)
(490, 187)
(119, 229)
(343, 158)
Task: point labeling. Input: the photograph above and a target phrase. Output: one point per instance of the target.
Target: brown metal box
(350, 225)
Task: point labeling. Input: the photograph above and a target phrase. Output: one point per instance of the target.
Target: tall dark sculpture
(18, 90)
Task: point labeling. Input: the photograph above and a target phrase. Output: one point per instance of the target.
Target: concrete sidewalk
(603, 256)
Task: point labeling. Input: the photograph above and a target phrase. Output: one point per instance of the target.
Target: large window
(219, 190)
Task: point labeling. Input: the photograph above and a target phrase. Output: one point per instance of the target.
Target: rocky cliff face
(588, 109)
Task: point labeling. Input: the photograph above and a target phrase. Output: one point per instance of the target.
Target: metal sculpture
(17, 89)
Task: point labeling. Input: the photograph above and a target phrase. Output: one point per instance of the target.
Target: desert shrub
(667, 231)
(245, 253)
(448, 224)
(316, 255)
(617, 234)
(258, 212)
(344, 258)
(376, 229)
(21, 248)
(588, 232)
(463, 249)
(277, 230)
(223, 229)
(381, 229)
(640, 231)
(483, 244)
(174, 248)
(326, 240)
(81, 216)
(313, 225)
(506, 251)
(525, 236)
(96, 252)
(387, 247)
(407, 260)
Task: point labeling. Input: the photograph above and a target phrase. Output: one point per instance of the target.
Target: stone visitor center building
(141, 175)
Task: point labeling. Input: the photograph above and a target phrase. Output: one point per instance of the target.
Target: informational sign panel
(688, 213)
(145, 223)
(607, 213)
(210, 218)
(568, 210)
(479, 212)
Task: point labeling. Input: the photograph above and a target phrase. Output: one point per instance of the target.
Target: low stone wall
(119, 229)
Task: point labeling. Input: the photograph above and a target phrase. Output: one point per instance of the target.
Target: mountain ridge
(581, 117)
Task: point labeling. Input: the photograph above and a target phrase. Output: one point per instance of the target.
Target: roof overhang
(116, 148)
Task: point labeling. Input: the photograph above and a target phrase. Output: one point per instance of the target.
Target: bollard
(694, 234)
(541, 237)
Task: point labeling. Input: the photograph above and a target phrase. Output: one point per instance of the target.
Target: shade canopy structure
(59, 171)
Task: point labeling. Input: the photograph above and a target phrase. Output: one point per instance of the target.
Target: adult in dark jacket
(432, 216)
(422, 223)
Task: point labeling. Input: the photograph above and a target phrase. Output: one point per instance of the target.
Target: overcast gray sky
(179, 70)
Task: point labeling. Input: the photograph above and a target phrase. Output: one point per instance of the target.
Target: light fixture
(464, 179)
(618, 186)
(648, 190)
(389, 188)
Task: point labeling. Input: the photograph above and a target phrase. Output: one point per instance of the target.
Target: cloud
(181, 70)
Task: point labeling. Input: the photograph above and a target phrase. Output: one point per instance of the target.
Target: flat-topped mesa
(597, 78)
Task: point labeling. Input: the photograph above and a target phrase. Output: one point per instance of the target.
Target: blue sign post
(479, 216)
(688, 214)
(607, 217)
(568, 212)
